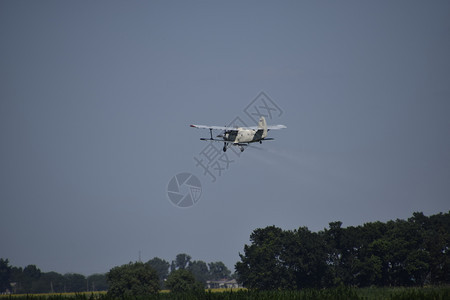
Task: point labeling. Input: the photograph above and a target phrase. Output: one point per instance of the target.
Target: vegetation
(132, 280)
(30, 280)
(182, 281)
(432, 293)
(414, 252)
(402, 259)
(162, 269)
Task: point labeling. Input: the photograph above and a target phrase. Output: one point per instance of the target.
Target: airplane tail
(263, 125)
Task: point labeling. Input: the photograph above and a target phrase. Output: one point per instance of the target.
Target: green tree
(29, 275)
(97, 282)
(200, 271)
(306, 257)
(182, 261)
(417, 266)
(406, 254)
(16, 277)
(218, 270)
(5, 275)
(335, 248)
(369, 270)
(131, 280)
(54, 282)
(50, 282)
(437, 243)
(161, 267)
(183, 281)
(279, 259)
(261, 266)
(75, 282)
(343, 248)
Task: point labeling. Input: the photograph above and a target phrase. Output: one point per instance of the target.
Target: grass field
(432, 293)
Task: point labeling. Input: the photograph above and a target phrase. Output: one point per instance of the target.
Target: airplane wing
(211, 139)
(231, 142)
(213, 127)
(272, 127)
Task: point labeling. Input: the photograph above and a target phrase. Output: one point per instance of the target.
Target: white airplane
(240, 136)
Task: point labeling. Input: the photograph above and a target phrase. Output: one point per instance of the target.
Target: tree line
(181, 276)
(31, 280)
(411, 252)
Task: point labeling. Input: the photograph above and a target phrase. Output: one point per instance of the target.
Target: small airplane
(240, 136)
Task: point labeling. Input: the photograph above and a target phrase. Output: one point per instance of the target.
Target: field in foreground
(435, 293)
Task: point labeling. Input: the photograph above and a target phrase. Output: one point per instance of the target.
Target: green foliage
(97, 282)
(30, 275)
(32, 280)
(5, 275)
(218, 270)
(51, 282)
(183, 281)
(200, 271)
(181, 261)
(131, 280)
(161, 267)
(401, 253)
(280, 259)
(400, 293)
(75, 282)
(340, 293)
(411, 252)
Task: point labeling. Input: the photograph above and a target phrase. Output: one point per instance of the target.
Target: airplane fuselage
(244, 136)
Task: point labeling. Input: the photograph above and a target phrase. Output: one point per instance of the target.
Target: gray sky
(96, 99)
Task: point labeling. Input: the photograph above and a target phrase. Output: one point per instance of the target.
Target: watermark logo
(184, 190)
(213, 161)
(263, 106)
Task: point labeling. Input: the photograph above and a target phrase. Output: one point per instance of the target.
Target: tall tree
(183, 281)
(218, 270)
(97, 282)
(161, 267)
(437, 241)
(30, 274)
(261, 266)
(182, 261)
(200, 270)
(54, 282)
(306, 256)
(132, 280)
(5, 274)
(75, 282)
(16, 277)
(50, 282)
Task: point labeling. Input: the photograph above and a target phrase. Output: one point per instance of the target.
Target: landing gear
(260, 142)
(224, 147)
(242, 148)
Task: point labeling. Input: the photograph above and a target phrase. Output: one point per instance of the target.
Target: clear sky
(96, 98)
